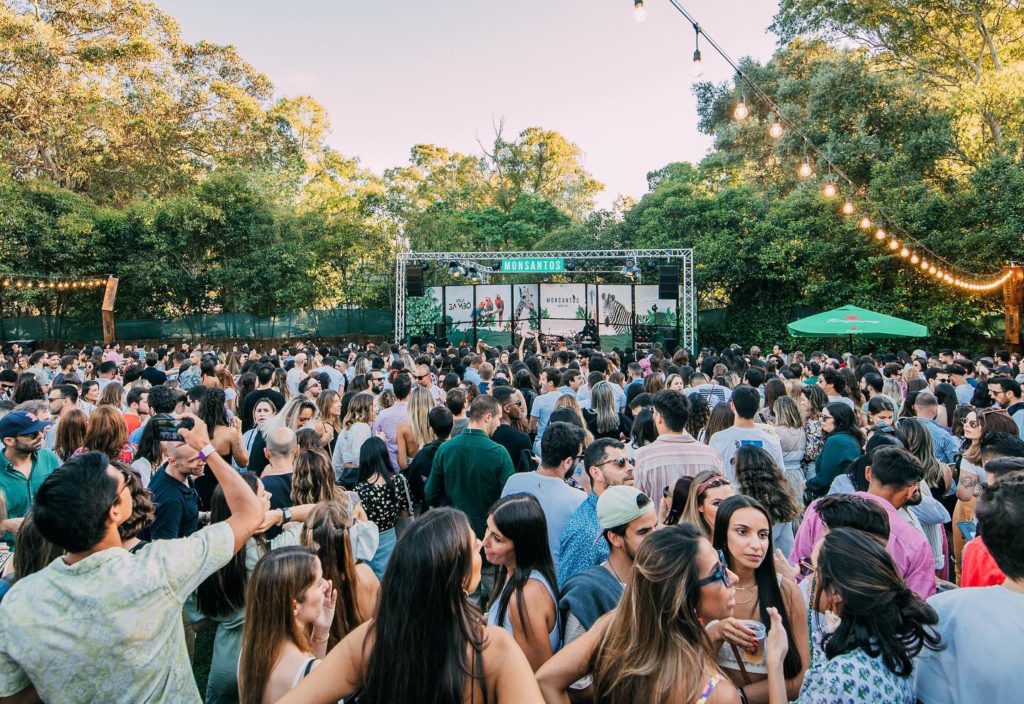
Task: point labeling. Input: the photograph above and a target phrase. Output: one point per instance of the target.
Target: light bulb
(904, 252)
(830, 189)
(805, 169)
(894, 244)
(865, 223)
(639, 13)
(932, 269)
(880, 235)
(848, 207)
(698, 66)
(914, 259)
(775, 131)
(924, 265)
(741, 112)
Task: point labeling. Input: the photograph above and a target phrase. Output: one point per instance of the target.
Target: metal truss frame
(686, 305)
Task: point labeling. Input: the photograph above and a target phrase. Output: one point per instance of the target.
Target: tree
(970, 53)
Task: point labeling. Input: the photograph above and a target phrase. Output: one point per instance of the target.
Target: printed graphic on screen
(651, 310)
(422, 312)
(563, 309)
(526, 314)
(493, 313)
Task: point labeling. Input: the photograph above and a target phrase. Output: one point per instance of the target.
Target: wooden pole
(109, 299)
(1013, 300)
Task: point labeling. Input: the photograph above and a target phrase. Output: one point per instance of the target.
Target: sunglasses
(619, 462)
(826, 417)
(721, 574)
(419, 377)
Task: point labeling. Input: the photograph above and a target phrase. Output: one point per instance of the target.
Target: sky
(404, 72)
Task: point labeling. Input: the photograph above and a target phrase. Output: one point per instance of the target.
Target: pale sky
(402, 72)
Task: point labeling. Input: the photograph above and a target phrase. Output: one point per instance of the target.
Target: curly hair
(313, 480)
(760, 478)
(143, 510)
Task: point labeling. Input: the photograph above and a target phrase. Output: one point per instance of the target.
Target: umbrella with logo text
(851, 320)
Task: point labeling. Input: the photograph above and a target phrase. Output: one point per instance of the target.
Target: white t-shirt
(726, 442)
(983, 631)
(558, 499)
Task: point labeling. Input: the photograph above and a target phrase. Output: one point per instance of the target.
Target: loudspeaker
(439, 331)
(668, 282)
(671, 341)
(414, 281)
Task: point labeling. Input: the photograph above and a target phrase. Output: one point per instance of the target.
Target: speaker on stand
(668, 282)
(414, 281)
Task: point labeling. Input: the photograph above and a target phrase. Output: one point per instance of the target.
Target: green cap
(619, 505)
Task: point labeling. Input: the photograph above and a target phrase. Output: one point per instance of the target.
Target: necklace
(747, 589)
(615, 574)
(752, 598)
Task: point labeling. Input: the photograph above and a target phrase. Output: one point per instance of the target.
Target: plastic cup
(755, 657)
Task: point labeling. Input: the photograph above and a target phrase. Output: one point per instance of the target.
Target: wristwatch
(286, 515)
(206, 452)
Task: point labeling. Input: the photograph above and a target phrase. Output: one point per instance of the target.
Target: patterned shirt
(946, 446)
(855, 678)
(108, 628)
(582, 546)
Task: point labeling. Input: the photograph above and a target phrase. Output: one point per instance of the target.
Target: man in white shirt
(745, 403)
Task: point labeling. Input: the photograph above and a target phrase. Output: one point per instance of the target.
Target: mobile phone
(968, 529)
(168, 428)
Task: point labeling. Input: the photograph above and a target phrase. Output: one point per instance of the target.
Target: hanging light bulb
(914, 259)
(904, 252)
(880, 234)
(639, 12)
(698, 66)
(830, 190)
(865, 223)
(776, 130)
(741, 112)
(805, 169)
(924, 265)
(894, 244)
(848, 207)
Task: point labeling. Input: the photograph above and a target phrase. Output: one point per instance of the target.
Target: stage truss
(687, 303)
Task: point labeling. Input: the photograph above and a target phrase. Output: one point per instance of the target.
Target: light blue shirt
(544, 406)
(557, 499)
(946, 445)
(554, 637)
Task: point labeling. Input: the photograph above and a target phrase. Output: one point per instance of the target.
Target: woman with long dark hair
(428, 643)
(225, 437)
(758, 477)
(945, 394)
(721, 418)
(743, 531)
(525, 597)
(654, 647)
(327, 530)
(843, 443)
(384, 495)
(288, 615)
(643, 432)
(71, 434)
(883, 626)
(813, 400)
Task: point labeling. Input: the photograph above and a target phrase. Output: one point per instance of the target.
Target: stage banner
(651, 310)
(458, 302)
(493, 313)
(526, 313)
(563, 308)
(422, 312)
(615, 315)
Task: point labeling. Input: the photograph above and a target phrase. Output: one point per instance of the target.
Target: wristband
(286, 515)
(207, 451)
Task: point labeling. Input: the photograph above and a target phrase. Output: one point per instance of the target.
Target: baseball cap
(619, 505)
(21, 423)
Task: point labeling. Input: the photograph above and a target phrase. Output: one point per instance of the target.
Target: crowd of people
(390, 523)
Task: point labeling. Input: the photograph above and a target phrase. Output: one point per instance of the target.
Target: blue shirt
(544, 406)
(471, 375)
(582, 546)
(177, 507)
(946, 445)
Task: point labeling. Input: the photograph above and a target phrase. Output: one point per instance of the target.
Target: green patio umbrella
(851, 320)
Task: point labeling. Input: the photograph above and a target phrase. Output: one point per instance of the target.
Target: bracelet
(207, 451)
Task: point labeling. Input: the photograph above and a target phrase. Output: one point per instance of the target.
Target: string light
(51, 284)
(639, 12)
(698, 67)
(806, 170)
(741, 112)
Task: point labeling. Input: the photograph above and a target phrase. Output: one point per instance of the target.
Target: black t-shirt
(518, 446)
(254, 397)
(279, 486)
(177, 508)
(154, 376)
(622, 432)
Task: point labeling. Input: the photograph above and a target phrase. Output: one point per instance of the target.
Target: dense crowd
(442, 524)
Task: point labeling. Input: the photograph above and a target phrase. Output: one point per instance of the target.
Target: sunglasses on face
(619, 462)
(720, 574)
(419, 377)
(826, 417)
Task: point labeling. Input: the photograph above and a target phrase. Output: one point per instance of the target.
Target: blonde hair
(420, 405)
